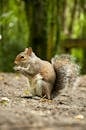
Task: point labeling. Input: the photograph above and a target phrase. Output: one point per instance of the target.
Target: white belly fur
(36, 85)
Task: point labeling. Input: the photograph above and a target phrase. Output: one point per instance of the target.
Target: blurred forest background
(49, 26)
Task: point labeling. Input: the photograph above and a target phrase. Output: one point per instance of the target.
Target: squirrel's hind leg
(47, 90)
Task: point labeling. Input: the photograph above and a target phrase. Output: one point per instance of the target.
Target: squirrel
(40, 73)
(46, 78)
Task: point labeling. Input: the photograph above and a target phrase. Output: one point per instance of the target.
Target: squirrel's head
(23, 57)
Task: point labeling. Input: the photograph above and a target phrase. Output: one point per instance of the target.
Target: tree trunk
(42, 24)
(73, 14)
(53, 28)
(84, 36)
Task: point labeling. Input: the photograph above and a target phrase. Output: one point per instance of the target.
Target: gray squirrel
(46, 78)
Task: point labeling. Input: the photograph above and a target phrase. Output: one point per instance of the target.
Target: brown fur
(40, 73)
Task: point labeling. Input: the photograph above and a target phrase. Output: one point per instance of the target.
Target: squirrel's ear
(28, 51)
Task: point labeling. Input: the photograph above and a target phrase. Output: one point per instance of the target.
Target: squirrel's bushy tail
(66, 71)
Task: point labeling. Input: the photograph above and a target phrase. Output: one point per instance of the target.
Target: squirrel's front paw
(17, 68)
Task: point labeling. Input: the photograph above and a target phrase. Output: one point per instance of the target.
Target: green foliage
(13, 33)
(21, 23)
(8, 54)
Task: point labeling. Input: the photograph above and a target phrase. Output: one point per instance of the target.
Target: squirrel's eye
(22, 57)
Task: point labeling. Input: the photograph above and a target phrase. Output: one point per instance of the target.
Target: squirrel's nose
(15, 62)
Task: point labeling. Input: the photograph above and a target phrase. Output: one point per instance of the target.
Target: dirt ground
(18, 112)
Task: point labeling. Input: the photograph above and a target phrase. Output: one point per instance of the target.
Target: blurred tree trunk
(53, 27)
(73, 14)
(63, 15)
(83, 8)
(43, 26)
(3, 9)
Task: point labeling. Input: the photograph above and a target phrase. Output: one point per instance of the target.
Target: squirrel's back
(47, 71)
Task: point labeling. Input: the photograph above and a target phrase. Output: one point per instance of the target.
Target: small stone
(79, 117)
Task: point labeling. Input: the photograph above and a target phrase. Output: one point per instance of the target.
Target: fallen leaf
(26, 92)
(1, 78)
(17, 77)
(4, 100)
